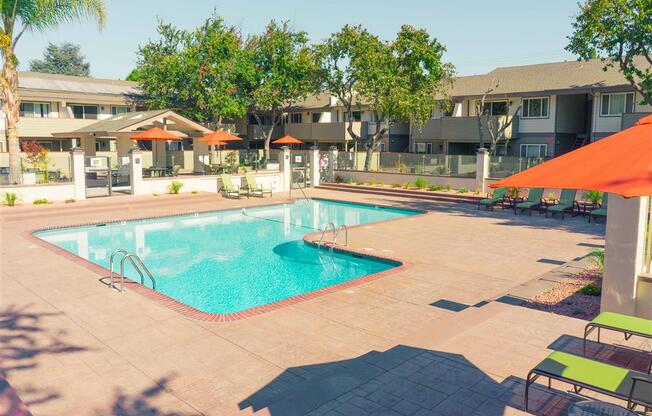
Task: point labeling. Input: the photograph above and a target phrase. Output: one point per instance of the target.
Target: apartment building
(52, 104)
(554, 108)
(321, 120)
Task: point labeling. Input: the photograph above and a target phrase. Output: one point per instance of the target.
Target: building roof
(121, 121)
(556, 76)
(68, 83)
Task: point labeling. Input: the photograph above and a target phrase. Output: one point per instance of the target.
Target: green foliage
(197, 72)
(348, 180)
(134, 75)
(448, 187)
(396, 185)
(597, 260)
(441, 170)
(462, 190)
(407, 185)
(359, 183)
(551, 197)
(620, 32)
(70, 200)
(420, 183)
(593, 196)
(280, 69)
(65, 59)
(10, 198)
(41, 201)
(513, 192)
(434, 188)
(175, 187)
(339, 179)
(400, 80)
(591, 290)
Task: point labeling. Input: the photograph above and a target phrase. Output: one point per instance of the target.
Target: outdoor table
(596, 408)
(155, 172)
(585, 207)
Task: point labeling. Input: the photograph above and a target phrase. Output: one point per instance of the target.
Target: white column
(200, 155)
(286, 168)
(136, 171)
(332, 163)
(313, 160)
(624, 248)
(77, 172)
(481, 169)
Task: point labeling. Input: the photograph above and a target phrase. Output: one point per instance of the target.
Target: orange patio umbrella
(219, 135)
(287, 140)
(619, 164)
(155, 134)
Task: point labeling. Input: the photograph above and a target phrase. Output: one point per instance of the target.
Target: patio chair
(229, 190)
(534, 200)
(566, 203)
(602, 211)
(175, 170)
(254, 188)
(581, 372)
(628, 325)
(498, 197)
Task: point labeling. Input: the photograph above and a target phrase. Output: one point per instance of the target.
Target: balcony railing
(461, 129)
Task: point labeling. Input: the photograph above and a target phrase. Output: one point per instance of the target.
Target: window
(119, 109)
(316, 117)
(534, 150)
(495, 108)
(419, 148)
(535, 107)
(84, 111)
(382, 146)
(40, 110)
(296, 118)
(428, 147)
(617, 104)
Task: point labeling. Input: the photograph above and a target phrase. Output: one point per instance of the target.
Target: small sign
(97, 162)
(137, 160)
(297, 159)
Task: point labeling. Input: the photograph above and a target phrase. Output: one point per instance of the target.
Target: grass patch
(462, 191)
(41, 201)
(10, 199)
(421, 183)
(591, 290)
(175, 187)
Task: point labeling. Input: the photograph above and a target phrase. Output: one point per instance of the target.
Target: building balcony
(255, 132)
(326, 132)
(460, 129)
(46, 127)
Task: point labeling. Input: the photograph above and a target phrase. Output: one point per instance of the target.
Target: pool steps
(138, 265)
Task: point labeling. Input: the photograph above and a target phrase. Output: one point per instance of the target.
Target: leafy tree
(39, 15)
(65, 59)
(398, 80)
(133, 75)
(341, 58)
(280, 71)
(194, 72)
(620, 32)
(495, 126)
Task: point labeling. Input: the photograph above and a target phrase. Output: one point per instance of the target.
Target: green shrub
(591, 290)
(70, 200)
(477, 191)
(597, 259)
(462, 190)
(593, 196)
(513, 192)
(10, 198)
(420, 183)
(441, 170)
(370, 184)
(348, 180)
(407, 185)
(551, 197)
(175, 187)
(359, 183)
(381, 183)
(448, 187)
(339, 179)
(41, 201)
(396, 185)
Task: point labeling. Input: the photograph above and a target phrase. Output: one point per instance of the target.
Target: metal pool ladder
(138, 265)
(336, 234)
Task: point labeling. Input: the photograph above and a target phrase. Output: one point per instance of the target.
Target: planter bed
(447, 196)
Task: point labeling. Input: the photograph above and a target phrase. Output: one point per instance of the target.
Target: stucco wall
(52, 192)
(391, 178)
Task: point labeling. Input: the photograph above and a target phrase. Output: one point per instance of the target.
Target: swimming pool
(228, 261)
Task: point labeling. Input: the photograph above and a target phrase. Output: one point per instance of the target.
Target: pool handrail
(138, 267)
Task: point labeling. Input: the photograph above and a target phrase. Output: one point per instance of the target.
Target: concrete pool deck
(72, 346)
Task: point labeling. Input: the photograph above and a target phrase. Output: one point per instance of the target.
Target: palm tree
(17, 17)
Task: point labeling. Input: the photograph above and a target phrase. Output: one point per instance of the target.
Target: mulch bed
(566, 299)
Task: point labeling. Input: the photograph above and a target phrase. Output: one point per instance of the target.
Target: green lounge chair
(534, 200)
(602, 211)
(255, 189)
(628, 325)
(229, 190)
(498, 197)
(566, 203)
(621, 383)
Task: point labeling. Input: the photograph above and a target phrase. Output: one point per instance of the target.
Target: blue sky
(479, 35)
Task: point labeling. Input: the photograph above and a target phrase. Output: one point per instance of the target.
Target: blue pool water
(229, 261)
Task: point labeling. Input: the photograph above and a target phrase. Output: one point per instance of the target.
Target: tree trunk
(9, 79)
(378, 135)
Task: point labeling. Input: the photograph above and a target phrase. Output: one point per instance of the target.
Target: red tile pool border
(194, 313)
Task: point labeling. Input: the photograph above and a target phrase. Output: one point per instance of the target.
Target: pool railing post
(313, 161)
(286, 169)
